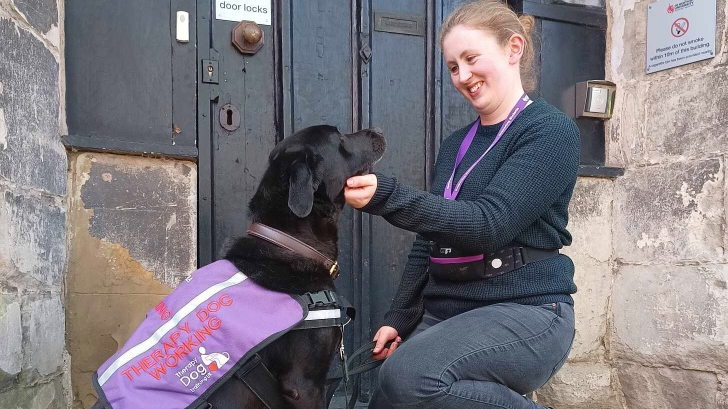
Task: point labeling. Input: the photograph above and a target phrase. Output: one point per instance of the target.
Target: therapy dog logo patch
(194, 374)
(214, 361)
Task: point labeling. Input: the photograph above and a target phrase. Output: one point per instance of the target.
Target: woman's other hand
(359, 190)
(384, 335)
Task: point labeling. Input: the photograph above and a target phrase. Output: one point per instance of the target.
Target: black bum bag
(451, 264)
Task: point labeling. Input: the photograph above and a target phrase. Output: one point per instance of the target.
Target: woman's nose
(464, 75)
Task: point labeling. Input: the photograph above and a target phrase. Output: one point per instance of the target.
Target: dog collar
(289, 242)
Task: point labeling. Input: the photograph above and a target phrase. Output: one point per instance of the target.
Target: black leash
(366, 363)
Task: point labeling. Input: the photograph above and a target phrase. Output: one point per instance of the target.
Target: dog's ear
(300, 189)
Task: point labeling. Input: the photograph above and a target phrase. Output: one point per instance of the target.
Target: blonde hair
(499, 20)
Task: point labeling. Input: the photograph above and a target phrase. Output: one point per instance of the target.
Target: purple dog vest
(196, 338)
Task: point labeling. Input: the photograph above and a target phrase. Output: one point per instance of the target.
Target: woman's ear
(516, 44)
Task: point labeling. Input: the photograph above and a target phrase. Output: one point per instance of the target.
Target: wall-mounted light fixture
(595, 99)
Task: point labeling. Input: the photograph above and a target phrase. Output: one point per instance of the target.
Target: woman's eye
(454, 69)
(470, 58)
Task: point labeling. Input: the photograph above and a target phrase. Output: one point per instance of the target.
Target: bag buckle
(519, 257)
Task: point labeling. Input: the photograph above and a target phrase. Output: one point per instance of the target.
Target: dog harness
(207, 330)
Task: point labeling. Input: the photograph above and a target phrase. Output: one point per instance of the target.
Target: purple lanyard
(449, 192)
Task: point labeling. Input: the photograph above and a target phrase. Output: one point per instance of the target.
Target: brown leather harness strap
(291, 243)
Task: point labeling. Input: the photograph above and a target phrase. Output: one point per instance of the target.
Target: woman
(485, 299)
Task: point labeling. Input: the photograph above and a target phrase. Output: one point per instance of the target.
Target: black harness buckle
(321, 299)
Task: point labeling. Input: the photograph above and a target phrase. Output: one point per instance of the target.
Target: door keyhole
(229, 117)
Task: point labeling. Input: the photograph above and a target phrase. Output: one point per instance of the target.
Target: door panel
(318, 83)
(130, 84)
(397, 105)
(320, 64)
(239, 157)
(396, 102)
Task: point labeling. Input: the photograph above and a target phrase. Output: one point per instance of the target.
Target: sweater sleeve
(407, 307)
(542, 164)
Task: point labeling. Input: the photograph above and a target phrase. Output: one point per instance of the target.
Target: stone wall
(32, 206)
(652, 307)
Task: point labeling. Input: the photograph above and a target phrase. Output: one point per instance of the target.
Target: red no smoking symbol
(680, 27)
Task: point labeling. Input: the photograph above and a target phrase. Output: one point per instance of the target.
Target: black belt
(464, 267)
(510, 258)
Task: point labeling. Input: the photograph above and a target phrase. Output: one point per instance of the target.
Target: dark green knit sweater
(518, 194)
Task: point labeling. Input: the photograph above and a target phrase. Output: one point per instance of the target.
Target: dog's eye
(291, 393)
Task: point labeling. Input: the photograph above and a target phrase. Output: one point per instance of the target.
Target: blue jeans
(485, 358)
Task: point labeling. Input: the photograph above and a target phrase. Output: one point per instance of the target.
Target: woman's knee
(403, 385)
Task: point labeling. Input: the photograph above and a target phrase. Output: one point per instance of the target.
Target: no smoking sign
(680, 27)
(679, 32)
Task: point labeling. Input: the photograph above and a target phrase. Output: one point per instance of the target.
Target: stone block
(34, 241)
(722, 398)
(670, 212)
(11, 339)
(661, 388)
(579, 386)
(594, 282)
(627, 39)
(31, 152)
(685, 118)
(43, 396)
(626, 136)
(146, 207)
(590, 221)
(44, 337)
(41, 14)
(672, 316)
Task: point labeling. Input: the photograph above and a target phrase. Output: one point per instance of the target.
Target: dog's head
(314, 163)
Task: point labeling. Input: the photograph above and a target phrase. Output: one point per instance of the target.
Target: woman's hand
(359, 190)
(384, 335)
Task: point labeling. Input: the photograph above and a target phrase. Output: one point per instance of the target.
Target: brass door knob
(248, 37)
(252, 33)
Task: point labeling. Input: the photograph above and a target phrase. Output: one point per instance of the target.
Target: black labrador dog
(301, 194)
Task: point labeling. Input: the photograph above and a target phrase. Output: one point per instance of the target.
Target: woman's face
(480, 68)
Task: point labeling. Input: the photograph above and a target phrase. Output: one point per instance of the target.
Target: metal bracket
(366, 54)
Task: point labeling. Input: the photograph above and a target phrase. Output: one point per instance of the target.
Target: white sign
(679, 32)
(258, 11)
